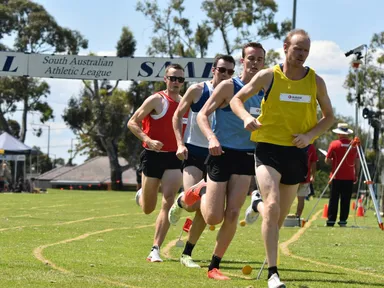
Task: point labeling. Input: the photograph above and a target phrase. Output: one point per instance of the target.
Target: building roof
(11, 145)
(95, 170)
(51, 174)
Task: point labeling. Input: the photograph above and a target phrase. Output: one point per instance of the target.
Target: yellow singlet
(290, 108)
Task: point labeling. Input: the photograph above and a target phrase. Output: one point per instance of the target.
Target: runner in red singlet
(152, 124)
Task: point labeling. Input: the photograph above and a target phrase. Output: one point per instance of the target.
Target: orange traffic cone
(360, 209)
(325, 211)
(353, 205)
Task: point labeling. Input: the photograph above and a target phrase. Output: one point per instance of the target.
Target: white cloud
(327, 56)
(338, 94)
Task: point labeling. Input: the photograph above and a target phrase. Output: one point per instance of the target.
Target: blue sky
(335, 26)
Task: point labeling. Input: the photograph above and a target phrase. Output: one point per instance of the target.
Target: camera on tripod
(374, 119)
(356, 51)
(369, 114)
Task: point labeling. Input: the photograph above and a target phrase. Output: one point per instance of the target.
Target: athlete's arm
(134, 124)
(219, 98)
(303, 140)
(186, 101)
(261, 80)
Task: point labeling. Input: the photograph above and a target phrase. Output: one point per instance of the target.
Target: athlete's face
(297, 50)
(253, 60)
(174, 80)
(223, 71)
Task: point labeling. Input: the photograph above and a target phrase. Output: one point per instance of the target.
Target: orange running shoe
(192, 195)
(217, 275)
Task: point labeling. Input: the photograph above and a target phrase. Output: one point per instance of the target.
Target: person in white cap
(346, 176)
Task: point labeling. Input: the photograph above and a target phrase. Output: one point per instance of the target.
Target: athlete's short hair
(295, 32)
(253, 45)
(227, 58)
(174, 66)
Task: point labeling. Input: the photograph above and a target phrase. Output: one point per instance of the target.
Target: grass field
(101, 239)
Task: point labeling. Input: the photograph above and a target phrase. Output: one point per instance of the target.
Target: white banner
(100, 67)
(13, 64)
(77, 67)
(12, 157)
(153, 69)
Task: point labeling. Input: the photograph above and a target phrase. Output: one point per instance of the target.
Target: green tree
(370, 84)
(203, 37)
(40, 162)
(45, 163)
(15, 127)
(27, 91)
(58, 162)
(35, 31)
(173, 35)
(272, 58)
(252, 20)
(99, 115)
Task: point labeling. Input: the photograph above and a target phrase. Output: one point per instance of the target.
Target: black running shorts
(154, 163)
(291, 162)
(220, 168)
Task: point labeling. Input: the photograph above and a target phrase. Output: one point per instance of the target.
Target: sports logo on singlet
(185, 121)
(295, 98)
(255, 111)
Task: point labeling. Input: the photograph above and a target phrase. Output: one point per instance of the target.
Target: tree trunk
(108, 144)
(116, 171)
(23, 130)
(226, 41)
(4, 124)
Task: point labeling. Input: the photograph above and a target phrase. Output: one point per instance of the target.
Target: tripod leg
(370, 186)
(261, 269)
(330, 180)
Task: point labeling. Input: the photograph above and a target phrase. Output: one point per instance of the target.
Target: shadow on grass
(257, 268)
(311, 271)
(240, 262)
(207, 261)
(329, 281)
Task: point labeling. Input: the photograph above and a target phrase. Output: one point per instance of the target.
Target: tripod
(354, 143)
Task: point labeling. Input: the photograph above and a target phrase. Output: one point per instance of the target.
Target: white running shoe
(154, 256)
(274, 282)
(187, 261)
(138, 195)
(174, 213)
(250, 215)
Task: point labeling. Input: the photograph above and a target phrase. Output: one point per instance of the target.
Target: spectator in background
(346, 176)
(304, 187)
(5, 176)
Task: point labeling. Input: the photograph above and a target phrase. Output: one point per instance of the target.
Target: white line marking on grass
(71, 222)
(18, 227)
(93, 218)
(43, 207)
(166, 252)
(285, 250)
(20, 216)
(38, 253)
